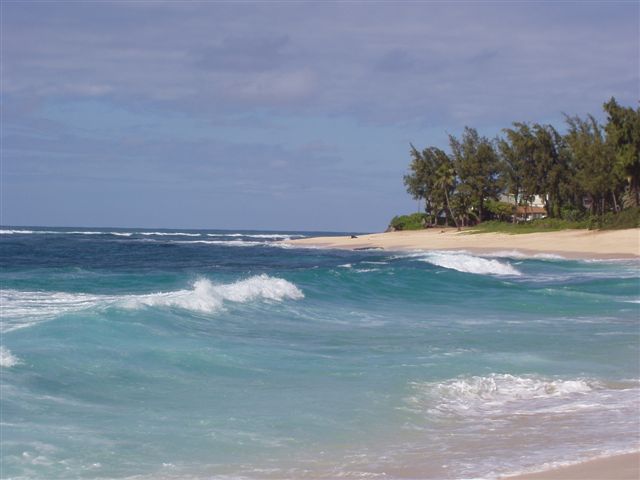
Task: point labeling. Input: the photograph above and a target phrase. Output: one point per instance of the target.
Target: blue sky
(278, 115)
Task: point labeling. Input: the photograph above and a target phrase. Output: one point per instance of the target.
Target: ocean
(204, 354)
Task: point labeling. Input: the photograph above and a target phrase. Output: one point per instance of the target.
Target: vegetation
(538, 225)
(628, 218)
(415, 221)
(588, 177)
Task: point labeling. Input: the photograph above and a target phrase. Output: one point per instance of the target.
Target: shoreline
(624, 466)
(573, 244)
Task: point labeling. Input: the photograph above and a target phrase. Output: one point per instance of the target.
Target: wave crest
(463, 262)
(473, 396)
(21, 309)
(208, 297)
(7, 359)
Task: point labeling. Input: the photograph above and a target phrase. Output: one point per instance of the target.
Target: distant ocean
(170, 354)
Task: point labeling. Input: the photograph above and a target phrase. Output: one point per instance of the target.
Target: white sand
(568, 243)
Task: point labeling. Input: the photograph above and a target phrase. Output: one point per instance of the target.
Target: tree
(551, 160)
(421, 183)
(512, 163)
(593, 160)
(518, 162)
(417, 182)
(478, 167)
(623, 135)
(446, 181)
(589, 161)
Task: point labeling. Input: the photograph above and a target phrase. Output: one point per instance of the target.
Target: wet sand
(619, 467)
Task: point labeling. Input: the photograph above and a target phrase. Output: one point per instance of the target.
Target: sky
(278, 115)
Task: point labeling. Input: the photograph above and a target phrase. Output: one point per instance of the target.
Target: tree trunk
(547, 205)
(446, 196)
(615, 203)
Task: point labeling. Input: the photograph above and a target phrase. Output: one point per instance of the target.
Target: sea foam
(7, 359)
(464, 262)
(495, 394)
(274, 236)
(206, 296)
(227, 243)
(265, 236)
(21, 309)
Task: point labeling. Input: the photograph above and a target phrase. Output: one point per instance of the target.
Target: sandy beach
(567, 243)
(619, 467)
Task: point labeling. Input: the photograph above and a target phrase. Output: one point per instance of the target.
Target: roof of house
(530, 210)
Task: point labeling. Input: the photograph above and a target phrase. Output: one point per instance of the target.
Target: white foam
(12, 232)
(521, 255)
(464, 262)
(500, 393)
(7, 359)
(169, 234)
(95, 232)
(206, 296)
(21, 309)
(275, 236)
(228, 243)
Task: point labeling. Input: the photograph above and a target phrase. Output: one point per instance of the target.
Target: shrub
(573, 214)
(628, 218)
(415, 221)
(500, 210)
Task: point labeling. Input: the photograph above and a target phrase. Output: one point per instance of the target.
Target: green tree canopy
(623, 134)
(478, 167)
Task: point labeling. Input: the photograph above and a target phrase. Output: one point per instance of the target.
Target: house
(529, 212)
(536, 200)
(532, 210)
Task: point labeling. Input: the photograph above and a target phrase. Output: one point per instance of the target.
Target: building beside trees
(531, 171)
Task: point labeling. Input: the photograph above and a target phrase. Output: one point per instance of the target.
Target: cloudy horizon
(278, 115)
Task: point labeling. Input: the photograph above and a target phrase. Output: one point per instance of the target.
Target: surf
(467, 263)
(21, 309)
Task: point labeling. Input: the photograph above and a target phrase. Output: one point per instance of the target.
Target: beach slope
(567, 243)
(619, 467)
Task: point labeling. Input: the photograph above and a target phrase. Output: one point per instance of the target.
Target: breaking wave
(170, 234)
(206, 296)
(7, 359)
(464, 262)
(273, 236)
(94, 232)
(22, 309)
(264, 236)
(523, 255)
(228, 243)
(502, 394)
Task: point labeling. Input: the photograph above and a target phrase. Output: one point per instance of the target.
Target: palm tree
(446, 179)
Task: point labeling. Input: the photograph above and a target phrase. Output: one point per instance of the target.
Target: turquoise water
(213, 354)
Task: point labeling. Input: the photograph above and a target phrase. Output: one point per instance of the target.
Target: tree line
(591, 169)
